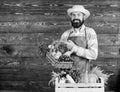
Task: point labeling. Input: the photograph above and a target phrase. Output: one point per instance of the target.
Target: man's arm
(92, 51)
(65, 35)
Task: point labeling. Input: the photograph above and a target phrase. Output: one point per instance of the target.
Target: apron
(79, 66)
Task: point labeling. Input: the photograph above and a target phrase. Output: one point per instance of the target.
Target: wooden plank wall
(25, 24)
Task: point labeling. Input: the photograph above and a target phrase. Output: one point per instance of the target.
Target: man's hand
(70, 44)
(68, 53)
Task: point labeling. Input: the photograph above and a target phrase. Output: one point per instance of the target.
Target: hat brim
(84, 11)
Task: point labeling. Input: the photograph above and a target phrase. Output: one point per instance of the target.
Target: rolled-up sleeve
(64, 36)
(92, 51)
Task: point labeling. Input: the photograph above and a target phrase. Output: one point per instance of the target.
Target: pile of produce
(56, 56)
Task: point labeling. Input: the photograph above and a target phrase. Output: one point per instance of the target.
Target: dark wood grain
(34, 51)
(42, 66)
(38, 75)
(23, 27)
(25, 24)
(38, 38)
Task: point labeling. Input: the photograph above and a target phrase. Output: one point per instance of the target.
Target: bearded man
(81, 40)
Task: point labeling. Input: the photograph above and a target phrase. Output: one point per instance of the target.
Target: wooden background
(26, 24)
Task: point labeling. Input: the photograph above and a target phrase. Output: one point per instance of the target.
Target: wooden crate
(79, 87)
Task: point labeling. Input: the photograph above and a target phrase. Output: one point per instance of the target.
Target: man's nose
(76, 16)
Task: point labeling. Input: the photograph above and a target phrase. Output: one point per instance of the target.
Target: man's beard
(76, 23)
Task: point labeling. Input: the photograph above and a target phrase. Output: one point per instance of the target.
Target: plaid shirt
(92, 51)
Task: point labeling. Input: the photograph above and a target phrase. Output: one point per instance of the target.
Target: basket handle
(54, 44)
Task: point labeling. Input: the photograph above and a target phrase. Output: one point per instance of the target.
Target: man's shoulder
(90, 30)
(68, 30)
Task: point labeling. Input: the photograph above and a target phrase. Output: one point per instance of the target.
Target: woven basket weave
(54, 62)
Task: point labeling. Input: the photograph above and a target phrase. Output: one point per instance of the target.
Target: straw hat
(79, 8)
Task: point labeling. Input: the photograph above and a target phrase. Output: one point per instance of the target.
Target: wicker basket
(54, 62)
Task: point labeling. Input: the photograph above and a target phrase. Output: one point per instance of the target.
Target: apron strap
(87, 60)
(86, 39)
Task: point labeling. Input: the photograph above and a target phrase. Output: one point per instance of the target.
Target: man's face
(77, 15)
(77, 19)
